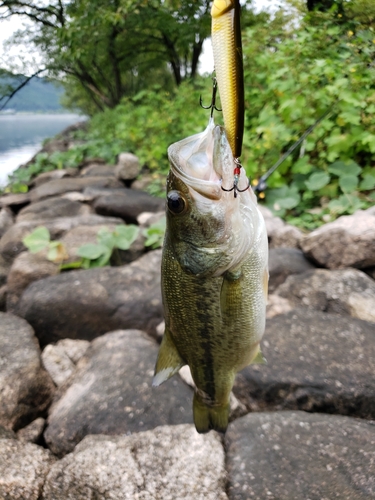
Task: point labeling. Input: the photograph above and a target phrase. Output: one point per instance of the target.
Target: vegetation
(298, 66)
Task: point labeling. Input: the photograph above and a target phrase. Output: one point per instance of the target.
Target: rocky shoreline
(78, 416)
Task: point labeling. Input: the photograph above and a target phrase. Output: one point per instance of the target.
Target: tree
(114, 48)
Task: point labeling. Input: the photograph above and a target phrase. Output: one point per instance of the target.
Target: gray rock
(299, 456)
(349, 241)
(277, 305)
(86, 304)
(128, 204)
(32, 433)
(60, 186)
(14, 200)
(6, 220)
(111, 393)
(286, 236)
(51, 208)
(285, 261)
(167, 463)
(74, 349)
(26, 389)
(128, 167)
(98, 170)
(23, 469)
(346, 291)
(7, 433)
(316, 362)
(26, 269)
(11, 242)
(57, 363)
(53, 175)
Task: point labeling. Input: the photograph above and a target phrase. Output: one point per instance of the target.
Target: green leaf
(340, 168)
(317, 181)
(106, 237)
(125, 236)
(340, 205)
(348, 183)
(37, 240)
(92, 251)
(367, 183)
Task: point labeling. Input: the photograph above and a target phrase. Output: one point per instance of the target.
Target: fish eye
(176, 203)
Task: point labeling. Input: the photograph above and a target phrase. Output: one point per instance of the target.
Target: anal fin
(169, 360)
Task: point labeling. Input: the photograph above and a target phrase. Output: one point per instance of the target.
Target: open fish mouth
(194, 161)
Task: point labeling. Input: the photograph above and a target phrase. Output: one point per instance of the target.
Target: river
(21, 136)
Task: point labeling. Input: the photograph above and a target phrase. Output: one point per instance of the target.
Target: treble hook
(212, 106)
(236, 174)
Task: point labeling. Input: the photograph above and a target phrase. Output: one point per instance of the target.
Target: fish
(214, 274)
(228, 61)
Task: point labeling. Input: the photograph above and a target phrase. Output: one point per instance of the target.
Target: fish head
(207, 228)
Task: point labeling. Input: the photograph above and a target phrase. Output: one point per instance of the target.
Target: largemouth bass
(227, 49)
(214, 274)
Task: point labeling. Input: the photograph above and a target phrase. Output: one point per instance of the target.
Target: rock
(286, 236)
(4, 271)
(26, 389)
(11, 242)
(349, 241)
(32, 432)
(14, 200)
(51, 208)
(347, 291)
(53, 175)
(128, 204)
(147, 219)
(285, 261)
(128, 167)
(6, 220)
(60, 186)
(111, 393)
(98, 170)
(74, 349)
(316, 362)
(57, 363)
(297, 455)
(7, 433)
(23, 469)
(98, 300)
(26, 268)
(3, 297)
(169, 463)
(277, 305)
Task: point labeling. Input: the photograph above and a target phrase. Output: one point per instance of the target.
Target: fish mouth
(194, 161)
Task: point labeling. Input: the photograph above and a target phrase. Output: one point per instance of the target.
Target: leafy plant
(40, 239)
(155, 234)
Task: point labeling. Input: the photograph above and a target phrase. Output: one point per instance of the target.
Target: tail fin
(207, 417)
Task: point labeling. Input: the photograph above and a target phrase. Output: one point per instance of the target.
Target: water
(21, 136)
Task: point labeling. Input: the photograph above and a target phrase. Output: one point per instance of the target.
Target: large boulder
(60, 186)
(169, 463)
(51, 208)
(297, 455)
(23, 469)
(110, 393)
(349, 241)
(127, 204)
(86, 304)
(316, 362)
(26, 389)
(342, 291)
(11, 242)
(285, 261)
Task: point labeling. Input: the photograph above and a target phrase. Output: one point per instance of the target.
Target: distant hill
(39, 95)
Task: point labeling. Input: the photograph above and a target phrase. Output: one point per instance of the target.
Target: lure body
(227, 50)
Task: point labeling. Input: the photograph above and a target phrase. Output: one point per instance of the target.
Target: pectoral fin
(169, 360)
(259, 359)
